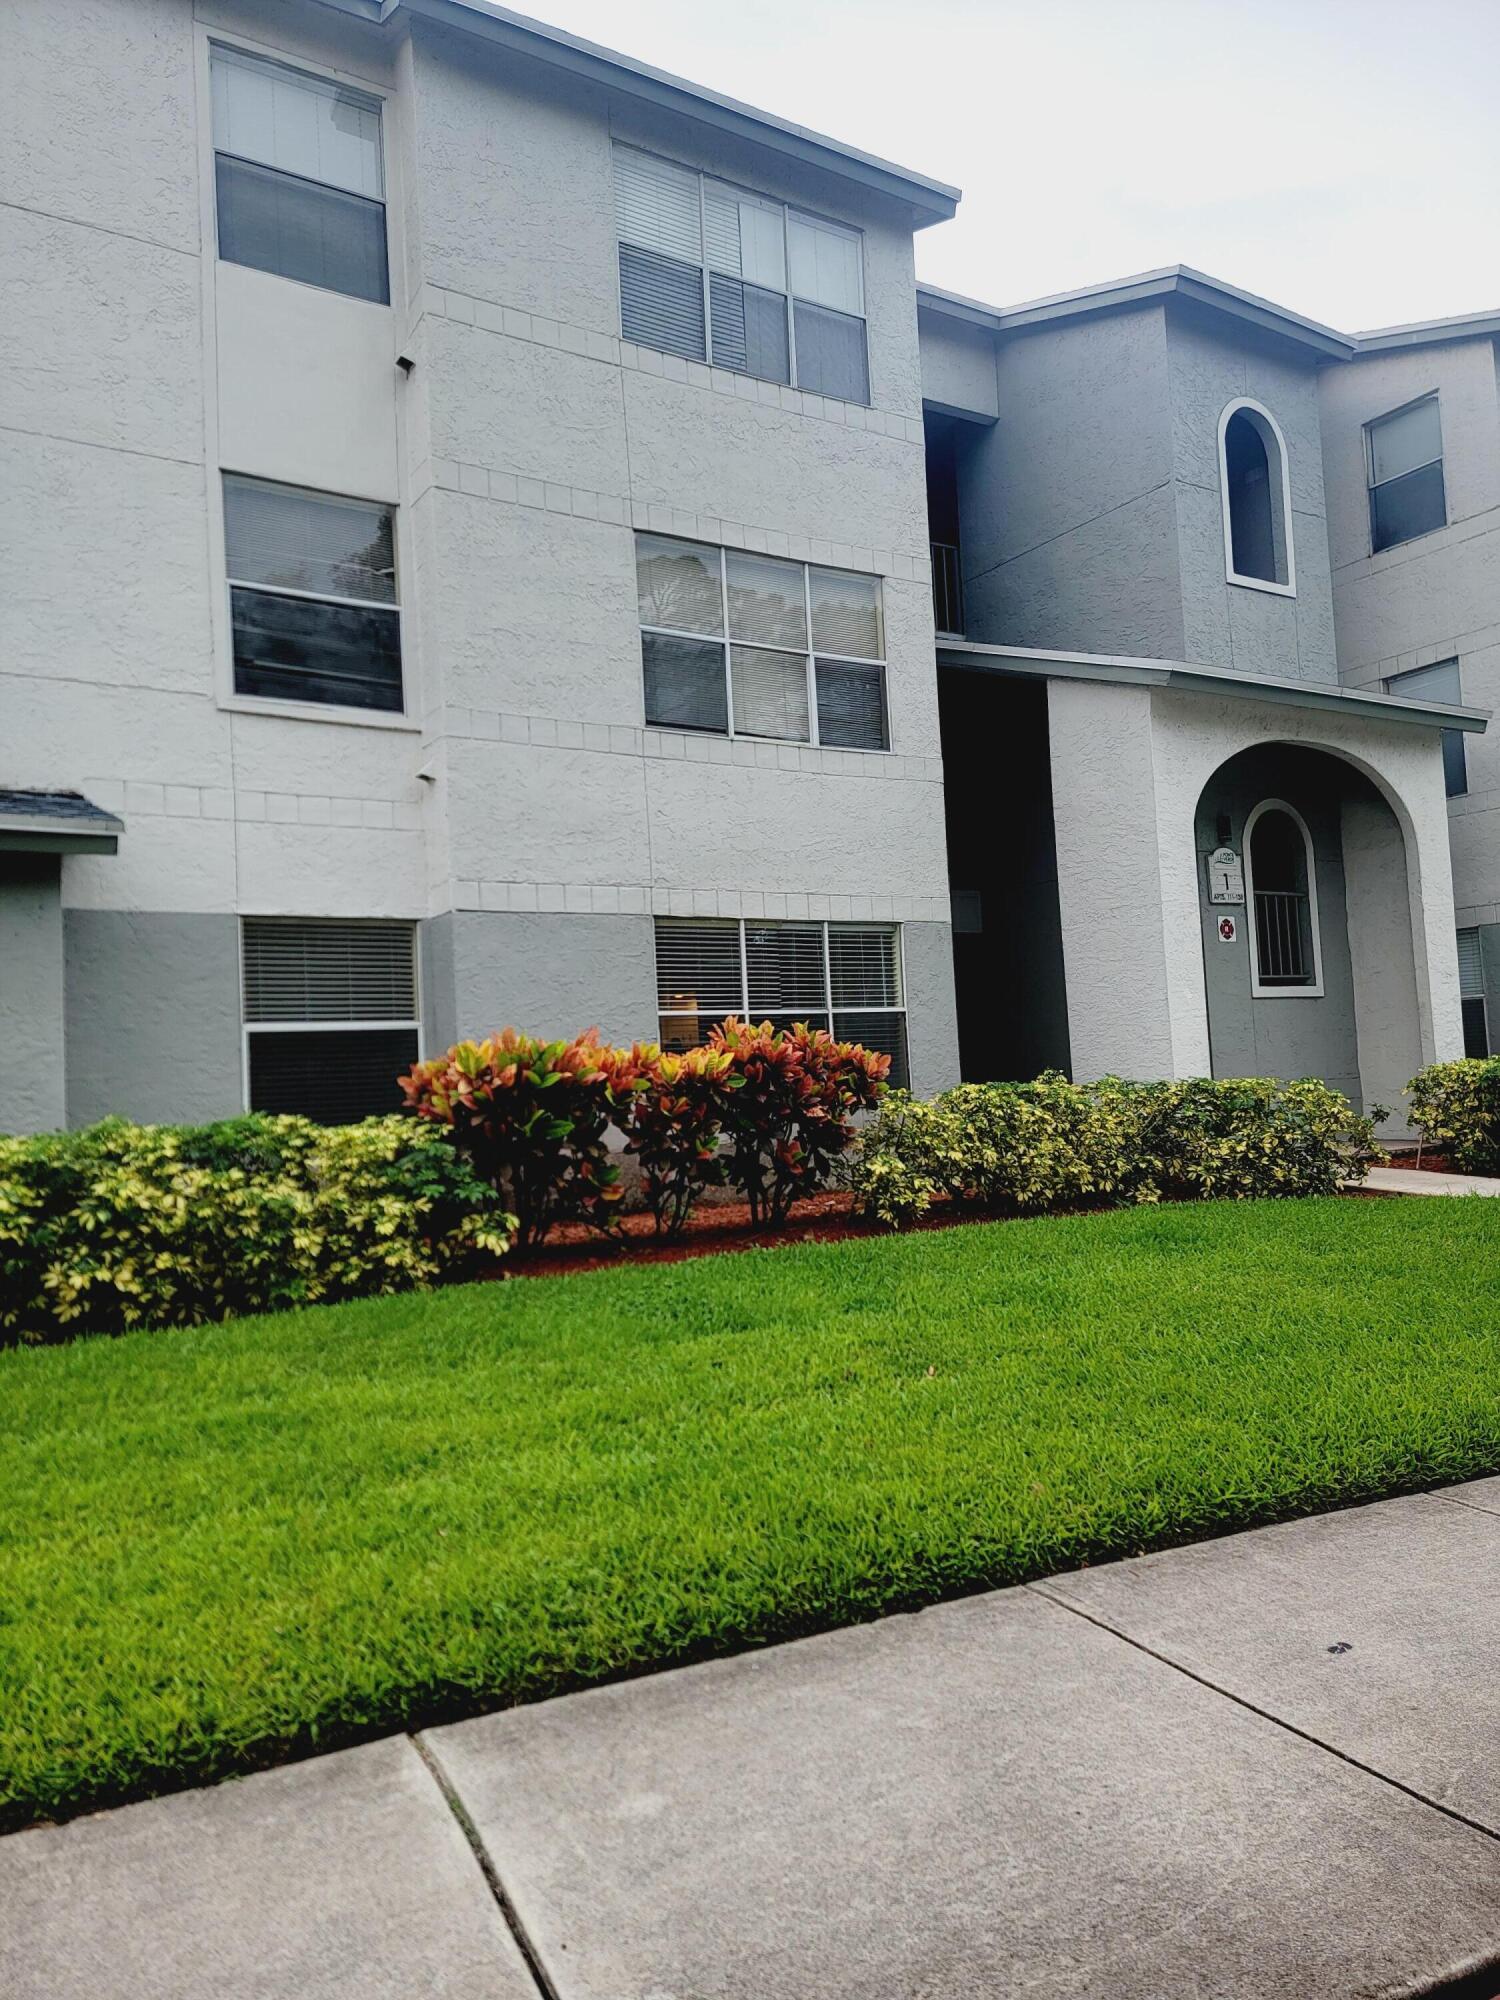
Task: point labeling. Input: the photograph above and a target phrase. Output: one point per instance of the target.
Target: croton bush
(767, 1110)
(124, 1225)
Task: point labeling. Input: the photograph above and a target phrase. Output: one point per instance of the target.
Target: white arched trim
(1314, 989)
(1275, 445)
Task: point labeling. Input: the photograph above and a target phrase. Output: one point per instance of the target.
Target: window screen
(1407, 498)
(725, 646)
(330, 1009)
(312, 589)
(299, 178)
(1439, 683)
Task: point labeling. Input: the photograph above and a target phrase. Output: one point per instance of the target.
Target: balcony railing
(947, 589)
(1281, 937)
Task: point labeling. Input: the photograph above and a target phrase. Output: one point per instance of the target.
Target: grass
(226, 1545)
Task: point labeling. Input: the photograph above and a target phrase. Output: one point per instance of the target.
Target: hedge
(125, 1225)
(1053, 1144)
(1456, 1106)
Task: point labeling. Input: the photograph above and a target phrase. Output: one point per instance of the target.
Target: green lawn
(222, 1545)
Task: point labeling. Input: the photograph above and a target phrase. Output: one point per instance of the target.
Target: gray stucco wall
(31, 994)
(547, 974)
(931, 1017)
(1069, 530)
(1292, 1034)
(153, 1016)
(1235, 625)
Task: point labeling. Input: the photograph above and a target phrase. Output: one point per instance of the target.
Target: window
(1471, 993)
(1256, 496)
(1282, 883)
(312, 595)
(725, 646)
(1404, 462)
(714, 274)
(298, 176)
(846, 975)
(330, 1015)
(1439, 683)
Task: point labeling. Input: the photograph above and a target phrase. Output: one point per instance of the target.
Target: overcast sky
(1339, 156)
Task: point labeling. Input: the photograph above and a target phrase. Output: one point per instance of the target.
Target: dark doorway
(1002, 869)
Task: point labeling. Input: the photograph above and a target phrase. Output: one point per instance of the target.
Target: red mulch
(721, 1226)
(1429, 1161)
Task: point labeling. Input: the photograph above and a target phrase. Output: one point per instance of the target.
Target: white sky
(1341, 157)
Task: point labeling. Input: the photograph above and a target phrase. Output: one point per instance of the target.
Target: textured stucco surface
(1133, 764)
(1289, 1034)
(153, 1016)
(548, 974)
(31, 994)
(1436, 597)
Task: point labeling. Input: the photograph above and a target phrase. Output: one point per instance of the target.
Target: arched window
(1281, 880)
(1257, 499)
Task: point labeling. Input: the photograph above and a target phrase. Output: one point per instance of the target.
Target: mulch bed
(716, 1226)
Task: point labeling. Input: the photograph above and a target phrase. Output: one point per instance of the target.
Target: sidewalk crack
(487, 1867)
(1265, 1714)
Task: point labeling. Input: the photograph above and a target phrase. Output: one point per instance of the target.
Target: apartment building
(498, 534)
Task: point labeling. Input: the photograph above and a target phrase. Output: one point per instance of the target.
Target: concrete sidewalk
(1262, 1766)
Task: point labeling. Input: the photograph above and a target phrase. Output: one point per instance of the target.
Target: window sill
(1286, 992)
(1260, 583)
(681, 735)
(313, 711)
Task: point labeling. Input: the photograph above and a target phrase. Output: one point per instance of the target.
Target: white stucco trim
(1261, 991)
(1231, 574)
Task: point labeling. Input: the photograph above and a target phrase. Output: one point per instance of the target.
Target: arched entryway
(1308, 962)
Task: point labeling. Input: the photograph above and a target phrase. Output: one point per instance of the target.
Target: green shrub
(1456, 1105)
(1246, 1136)
(123, 1225)
(533, 1117)
(1027, 1146)
(791, 1117)
(1054, 1144)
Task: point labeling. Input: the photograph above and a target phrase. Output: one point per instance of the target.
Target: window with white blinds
(716, 274)
(842, 976)
(312, 596)
(299, 177)
(748, 645)
(1472, 998)
(330, 1011)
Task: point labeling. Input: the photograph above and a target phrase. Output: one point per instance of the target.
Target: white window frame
(249, 1028)
(1313, 990)
(1231, 574)
(725, 641)
(1367, 432)
(379, 98)
(786, 210)
(331, 711)
(825, 925)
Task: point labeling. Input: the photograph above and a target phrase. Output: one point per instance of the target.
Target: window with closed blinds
(299, 178)
(312, 596)
(841, 976)
(748, 645)
(330, 1011)
(1471, 989)
(714, 273)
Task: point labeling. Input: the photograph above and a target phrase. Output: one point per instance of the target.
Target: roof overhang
(1430, 333)
(1033, 663)
(56, 823)
(929, 200)
(1176, 281)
